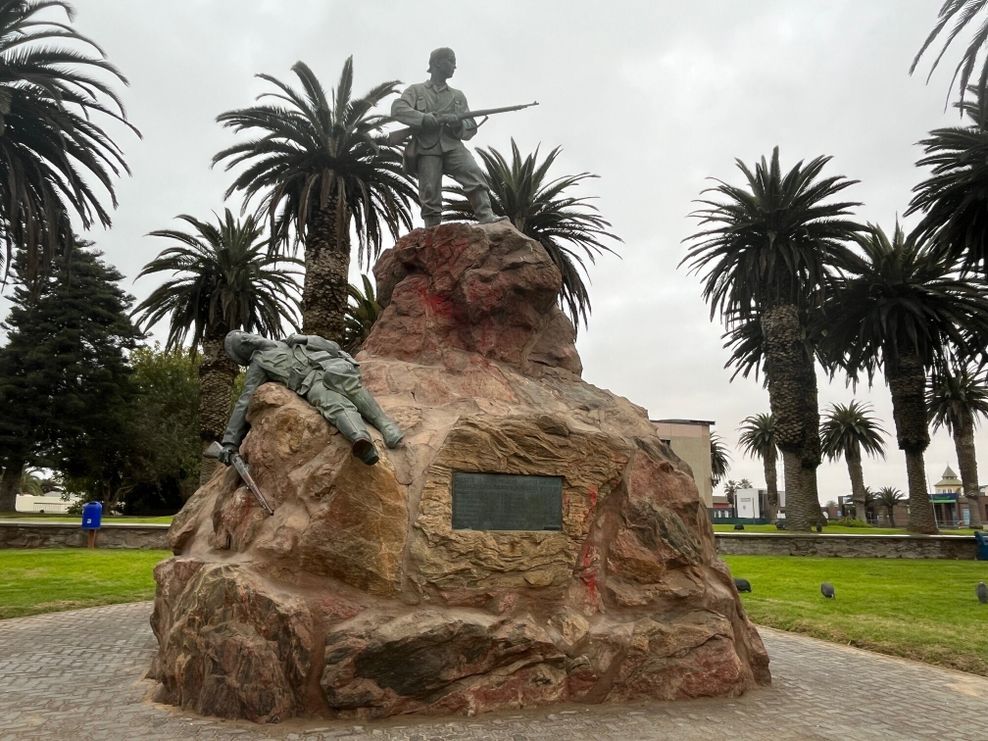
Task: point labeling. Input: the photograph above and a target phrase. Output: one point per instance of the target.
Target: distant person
(320, 372)
(436, 146)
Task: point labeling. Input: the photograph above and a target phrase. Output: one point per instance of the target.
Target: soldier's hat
(442, 51)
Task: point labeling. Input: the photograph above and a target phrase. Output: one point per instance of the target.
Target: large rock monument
(394, 588)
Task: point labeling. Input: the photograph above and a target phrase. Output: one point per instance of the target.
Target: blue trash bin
(981, 543)
(92, 515)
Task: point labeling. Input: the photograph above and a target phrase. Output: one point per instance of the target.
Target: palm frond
(223, 278)
(55, 160)
(847, 428)
(571, 229)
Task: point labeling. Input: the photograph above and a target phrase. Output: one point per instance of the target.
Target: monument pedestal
(359, 597)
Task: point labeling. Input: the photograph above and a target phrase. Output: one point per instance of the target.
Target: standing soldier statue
(439, 122)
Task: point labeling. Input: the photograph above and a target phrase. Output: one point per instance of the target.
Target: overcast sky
(654, 97)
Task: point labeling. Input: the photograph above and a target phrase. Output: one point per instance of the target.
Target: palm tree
(224, 279)
(955, 398)
(848, 430)
(757, 439)
(54, 155)
(954, 198)
(962, 12)
(317, 170)
(731, 489)
(570, 228)
(889, 496)
(362, 311)
(869, 501)
(720, 459)
(896, 309)
(767, 251)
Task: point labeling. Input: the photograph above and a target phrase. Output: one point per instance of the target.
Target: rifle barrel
(399, 135)
(241, 465)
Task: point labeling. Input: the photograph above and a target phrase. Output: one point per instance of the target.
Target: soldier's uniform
(430, 155)
(320, 372)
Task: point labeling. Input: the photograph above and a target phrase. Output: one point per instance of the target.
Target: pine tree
(64, 376)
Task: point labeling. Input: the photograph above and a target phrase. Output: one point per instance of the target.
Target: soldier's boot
(431, 221)
(480, 202)
(367, 405)
(352, 427)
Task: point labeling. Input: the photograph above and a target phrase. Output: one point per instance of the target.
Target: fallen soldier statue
(321, 373)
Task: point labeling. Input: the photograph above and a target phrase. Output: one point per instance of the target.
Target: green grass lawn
(111, 519)
(838, 530)
(50, 579)
(920, 609)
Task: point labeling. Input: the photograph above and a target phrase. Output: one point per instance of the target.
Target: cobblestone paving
(80, 675)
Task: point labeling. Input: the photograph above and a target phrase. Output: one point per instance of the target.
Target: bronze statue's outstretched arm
(236, 428)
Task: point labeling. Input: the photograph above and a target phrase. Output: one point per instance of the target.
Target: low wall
(960, 547)
(69, 535)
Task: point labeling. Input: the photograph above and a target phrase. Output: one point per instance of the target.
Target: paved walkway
(79, 675)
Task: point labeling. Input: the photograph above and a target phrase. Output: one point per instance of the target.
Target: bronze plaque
(504, 501)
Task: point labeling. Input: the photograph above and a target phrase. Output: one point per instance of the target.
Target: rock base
(358, 599)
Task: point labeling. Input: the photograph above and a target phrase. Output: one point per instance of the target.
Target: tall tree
(224, 279)
(889, 496)
(56, 160)
(956, 397)
(64, 375)
(848, 430)
(720, 459)
(896, 309)
(757, 440)
(953, 200)
(162, 469)
(767, 252)
(731, 492)
(961, 13)
(317, 168)
(569, 227)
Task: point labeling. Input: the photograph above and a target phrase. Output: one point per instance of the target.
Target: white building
(49, 504)
(753, 503)
(748, 503)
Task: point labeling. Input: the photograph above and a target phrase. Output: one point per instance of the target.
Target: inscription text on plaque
(504, 501)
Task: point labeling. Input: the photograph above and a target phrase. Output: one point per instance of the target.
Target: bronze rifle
(399, 135)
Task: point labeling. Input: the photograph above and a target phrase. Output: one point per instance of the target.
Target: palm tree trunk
(772, 485)
(968, 463)
(10, 483)
(804, 512)
(792, 391)
(327, 267)
(858, 493)
(216, 375)
(906, 379)
(891, 514)
(921, 517)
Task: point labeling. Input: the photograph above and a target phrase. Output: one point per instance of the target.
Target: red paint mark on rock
(435, 303)
(588, 573)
